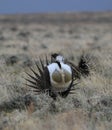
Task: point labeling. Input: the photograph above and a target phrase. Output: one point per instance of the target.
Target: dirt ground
(25, 38)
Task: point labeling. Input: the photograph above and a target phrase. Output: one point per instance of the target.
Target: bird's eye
(56, 76)
(68, 76)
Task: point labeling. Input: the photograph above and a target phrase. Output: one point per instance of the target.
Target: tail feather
(83, 66)
(36, 74)
(40, 71)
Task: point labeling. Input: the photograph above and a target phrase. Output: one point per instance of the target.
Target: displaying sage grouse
(57, 76)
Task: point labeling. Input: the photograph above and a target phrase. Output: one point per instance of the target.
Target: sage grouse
(56, 76)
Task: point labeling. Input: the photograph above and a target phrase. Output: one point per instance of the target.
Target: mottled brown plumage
(44, 82)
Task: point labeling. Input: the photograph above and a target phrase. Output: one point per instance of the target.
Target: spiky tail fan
(84, 66)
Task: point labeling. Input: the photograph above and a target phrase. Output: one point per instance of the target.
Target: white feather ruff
(52, 68)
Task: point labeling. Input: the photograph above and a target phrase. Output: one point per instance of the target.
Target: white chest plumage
(60, 78)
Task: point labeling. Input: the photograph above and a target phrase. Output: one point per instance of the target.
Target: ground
(25, 38)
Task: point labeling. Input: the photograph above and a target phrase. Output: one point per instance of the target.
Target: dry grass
(89, 108)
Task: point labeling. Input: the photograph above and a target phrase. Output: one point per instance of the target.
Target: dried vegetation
(21, 43)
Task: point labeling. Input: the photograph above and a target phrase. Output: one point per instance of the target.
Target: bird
(56, 76)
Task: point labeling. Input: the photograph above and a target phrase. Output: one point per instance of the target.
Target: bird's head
(57, 57)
